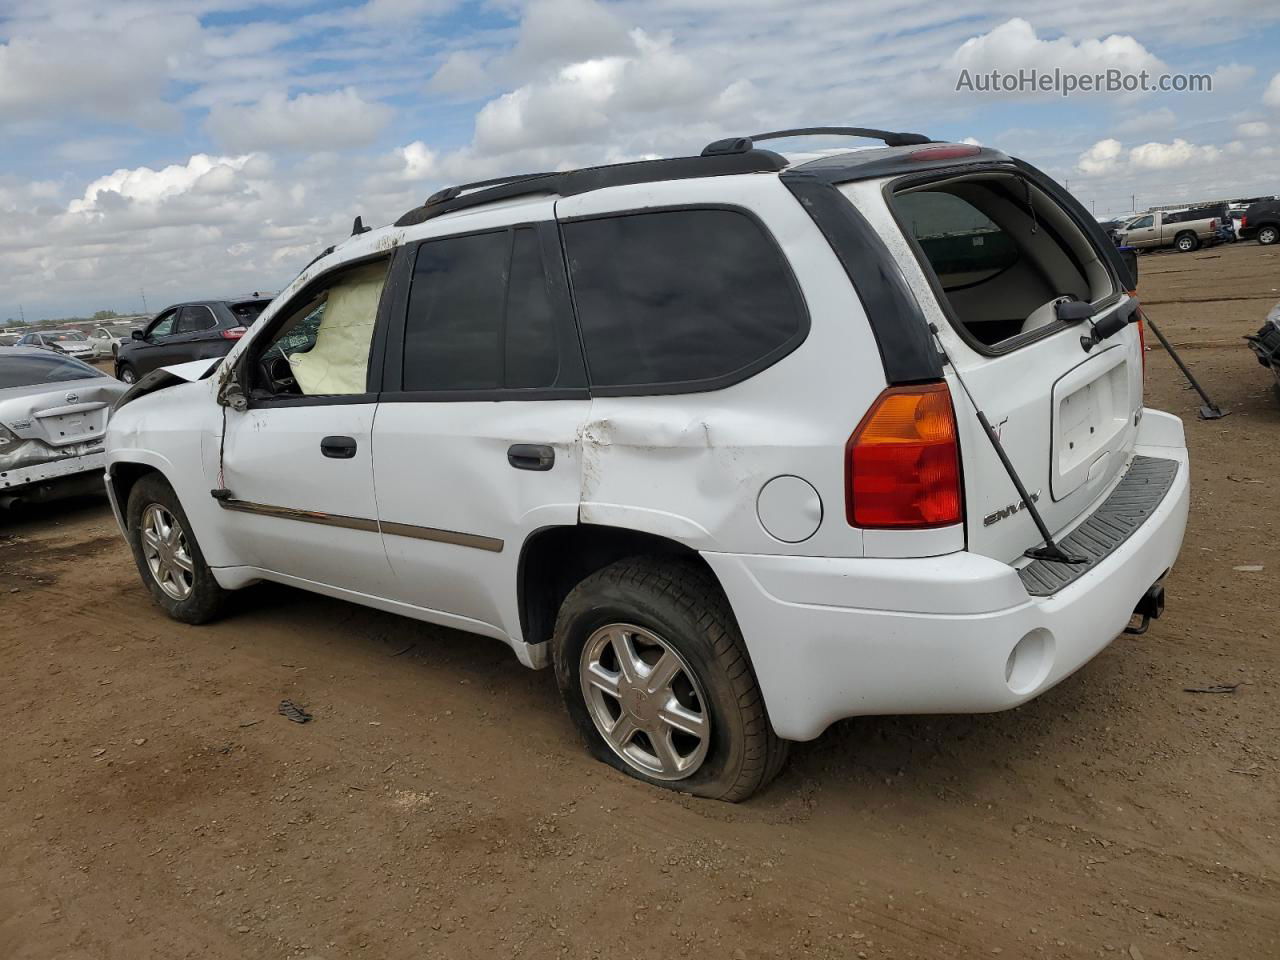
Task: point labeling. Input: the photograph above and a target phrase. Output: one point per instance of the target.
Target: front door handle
(339, 448)
(531, 456)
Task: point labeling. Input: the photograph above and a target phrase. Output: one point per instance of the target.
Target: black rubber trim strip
(901, 331)
(1130, 505)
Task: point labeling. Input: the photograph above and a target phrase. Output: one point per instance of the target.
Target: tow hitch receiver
(1149, 608)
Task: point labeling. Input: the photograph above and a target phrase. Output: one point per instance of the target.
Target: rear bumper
(13, 481)
(840, 637)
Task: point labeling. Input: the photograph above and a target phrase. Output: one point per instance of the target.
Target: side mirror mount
(137, 335)
(1073, 311)
(1130, 257)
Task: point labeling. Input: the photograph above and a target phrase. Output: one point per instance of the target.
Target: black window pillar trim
(896, 319)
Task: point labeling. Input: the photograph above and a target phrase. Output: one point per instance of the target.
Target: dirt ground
(153, 803)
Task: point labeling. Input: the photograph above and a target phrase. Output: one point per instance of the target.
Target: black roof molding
(572, 182)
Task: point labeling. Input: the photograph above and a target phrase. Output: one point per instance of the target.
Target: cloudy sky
(211, 147)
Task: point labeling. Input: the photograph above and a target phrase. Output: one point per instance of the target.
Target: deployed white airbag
(338, 362)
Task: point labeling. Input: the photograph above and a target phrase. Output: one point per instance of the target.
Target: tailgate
(1068, 421)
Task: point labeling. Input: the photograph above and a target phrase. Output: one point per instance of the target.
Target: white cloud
(68, 65)
(581, 101)
(464, 72)
(1231, 76)
(1169, 156)
(1103, 157)
(1272, 97)
(202, 173)
(1109, 157)
(1254, 128)
(336, 121)
(1014, 46)
(558, 32)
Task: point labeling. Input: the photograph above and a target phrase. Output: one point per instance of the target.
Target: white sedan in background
(53, 413)
(71, 342)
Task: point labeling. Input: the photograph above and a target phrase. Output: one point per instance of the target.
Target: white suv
(706, 434)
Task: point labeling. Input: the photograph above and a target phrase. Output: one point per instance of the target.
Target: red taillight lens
(902, 464)
(1244, 222)
(234, 333)
(948, 151)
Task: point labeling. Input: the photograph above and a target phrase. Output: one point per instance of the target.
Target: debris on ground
(294, 712)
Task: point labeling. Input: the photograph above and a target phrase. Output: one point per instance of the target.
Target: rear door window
(680, 300)
(481, 317)
(193, 319)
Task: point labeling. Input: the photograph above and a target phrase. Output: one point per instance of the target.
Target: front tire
(1187, 242)
(126, 374)
(167, 554)
(655, 675)
(1268, 235)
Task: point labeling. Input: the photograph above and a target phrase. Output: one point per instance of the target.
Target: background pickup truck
(1184, 229)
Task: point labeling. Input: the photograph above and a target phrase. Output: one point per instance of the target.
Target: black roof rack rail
(571, 182)
(743, 144)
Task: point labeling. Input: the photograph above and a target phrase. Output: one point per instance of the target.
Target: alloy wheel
(167, 552)
(645, 701)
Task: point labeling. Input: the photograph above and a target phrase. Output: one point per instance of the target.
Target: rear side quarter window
(680, 300)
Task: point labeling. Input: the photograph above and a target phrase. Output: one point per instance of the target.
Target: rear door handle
(531, 456)
(339, 448)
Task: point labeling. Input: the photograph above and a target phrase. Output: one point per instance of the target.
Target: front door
(1142, 232)
(298, 463)
(477, 440)
(157, 348)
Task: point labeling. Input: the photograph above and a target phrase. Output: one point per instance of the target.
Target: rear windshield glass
(26, 370)
(249, 310)
(1003, 254)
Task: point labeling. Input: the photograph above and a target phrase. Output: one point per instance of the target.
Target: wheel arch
(553, 560)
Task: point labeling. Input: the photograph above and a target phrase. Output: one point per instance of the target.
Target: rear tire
(167, 554)
(126, 374)
(1268, 235)
(665, 611)
(1187, 242)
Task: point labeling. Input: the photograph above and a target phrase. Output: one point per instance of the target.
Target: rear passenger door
(476, 442)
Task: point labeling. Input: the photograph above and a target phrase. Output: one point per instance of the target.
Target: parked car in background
(107, 338)
(9, 339)
(1184, 230)
(71, 342)
(1261, 222)
(53, 415)
(199, 330)
(701, 433)
(1266, 343)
